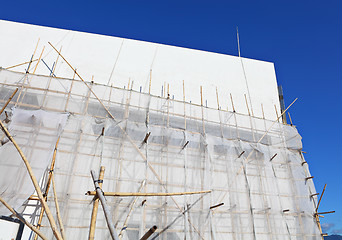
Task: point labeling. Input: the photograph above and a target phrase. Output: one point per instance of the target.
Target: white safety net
(36, 133)
(259, 181)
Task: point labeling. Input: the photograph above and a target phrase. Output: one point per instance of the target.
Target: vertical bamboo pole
(35, 183)
(95, 208)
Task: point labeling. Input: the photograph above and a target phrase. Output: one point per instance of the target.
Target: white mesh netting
(190, 148)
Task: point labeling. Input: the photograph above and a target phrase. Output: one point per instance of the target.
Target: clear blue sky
(302, 38)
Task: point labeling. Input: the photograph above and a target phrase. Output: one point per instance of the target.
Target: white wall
(96, 55)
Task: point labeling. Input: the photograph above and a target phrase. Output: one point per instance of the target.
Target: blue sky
(302, 38)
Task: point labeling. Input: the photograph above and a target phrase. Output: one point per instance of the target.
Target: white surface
(96, 55)
(8, 230)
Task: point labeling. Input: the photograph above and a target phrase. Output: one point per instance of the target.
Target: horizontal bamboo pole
(126, 194)
(39, 233)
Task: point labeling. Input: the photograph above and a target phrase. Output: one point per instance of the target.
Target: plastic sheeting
(252, 165)
(36, 133)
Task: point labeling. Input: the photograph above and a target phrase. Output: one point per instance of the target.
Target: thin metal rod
(105, 208)
(149, 233)
(126, 194)
(8, 101)
(95, 208)
(39, 233)
(34, 181)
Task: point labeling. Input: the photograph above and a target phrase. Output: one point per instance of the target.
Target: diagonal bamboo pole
(8, 101)
(23, 219)
(34, 181)
(20, 64)
(52, 166)
(124, 226)
(95, 208)
(320, 198)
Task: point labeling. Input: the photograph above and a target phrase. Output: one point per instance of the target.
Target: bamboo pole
(55, 66)
(231, 99)
(39, 233)
(124, 226)
(40, 57)
(34, 181)
(95, 208)
(138, 194)
(320, 198)
(60, 222)
(8, 101)
(105, 208)
(20, 64)
(52, 166)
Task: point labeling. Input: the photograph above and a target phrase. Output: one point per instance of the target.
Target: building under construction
(182, 144)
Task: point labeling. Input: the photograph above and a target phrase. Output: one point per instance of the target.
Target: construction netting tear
(260, 186)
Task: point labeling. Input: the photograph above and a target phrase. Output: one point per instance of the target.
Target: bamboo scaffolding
(95, 208)
(39, 233)
(34, 181)
(105, 208)
(128, 137)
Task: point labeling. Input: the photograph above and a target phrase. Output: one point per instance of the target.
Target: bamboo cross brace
(124, 132)
(139, 194)
(34, 181)
(39, 233)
